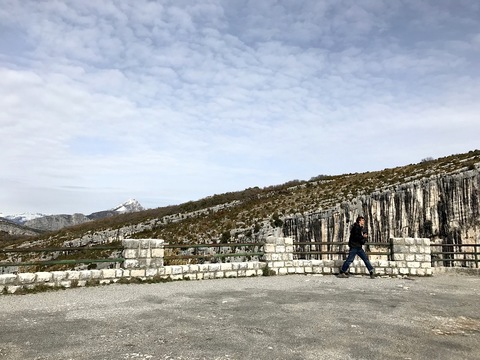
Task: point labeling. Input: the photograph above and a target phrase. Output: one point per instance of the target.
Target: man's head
(361, 220)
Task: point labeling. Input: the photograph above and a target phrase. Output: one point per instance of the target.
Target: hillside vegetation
(242, 215)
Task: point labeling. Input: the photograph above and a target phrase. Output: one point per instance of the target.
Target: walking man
(358, 237)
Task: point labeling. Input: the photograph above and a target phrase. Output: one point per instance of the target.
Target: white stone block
(281, 271)
(419, 257)
(231, 274)
(403, 271)
(132, 263)
(421, 272)
(176, 269)
(144, 253)
(299, 270)
(136, 273)
(8, 279)
(269, 248)
(66, 283)
(59, 275)
(409, 241)
(209, 275)
(96, 274)
(190, 276)
(249, 273)
(242, 266)
(12, 289)
(308, 269)
(107, 274)
(26, 278)
(150, 272)
(214, 267)
(84, 274)
(130, 253)
(43, 276)
(226, 266)
(158, 253)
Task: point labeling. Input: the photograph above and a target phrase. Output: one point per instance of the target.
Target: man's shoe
(343, 275)
(372, 275)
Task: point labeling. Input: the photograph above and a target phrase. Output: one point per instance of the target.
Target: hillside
(250, 214)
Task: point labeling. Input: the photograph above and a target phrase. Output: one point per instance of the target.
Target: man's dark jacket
(356, 239)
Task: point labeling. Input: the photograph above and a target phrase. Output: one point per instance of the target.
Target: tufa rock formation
(443, 207)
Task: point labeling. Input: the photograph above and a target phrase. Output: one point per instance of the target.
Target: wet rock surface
(280, 317)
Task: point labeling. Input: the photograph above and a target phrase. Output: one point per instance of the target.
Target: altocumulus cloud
(170, 101)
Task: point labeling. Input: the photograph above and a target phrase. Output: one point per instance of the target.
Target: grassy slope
(254, 207)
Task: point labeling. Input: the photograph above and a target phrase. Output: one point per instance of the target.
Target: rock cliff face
(12, 228)
(56, 222)
(442, 207)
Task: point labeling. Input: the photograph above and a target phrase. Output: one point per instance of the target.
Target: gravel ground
(279, 317)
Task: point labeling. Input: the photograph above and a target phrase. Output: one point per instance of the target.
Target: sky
(172, 101)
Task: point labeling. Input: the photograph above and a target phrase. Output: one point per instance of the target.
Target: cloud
(177, 100)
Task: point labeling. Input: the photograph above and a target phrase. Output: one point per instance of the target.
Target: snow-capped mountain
(55, 222)
(22, 218)
(128, 206)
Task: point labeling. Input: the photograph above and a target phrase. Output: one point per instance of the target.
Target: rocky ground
(279, 317)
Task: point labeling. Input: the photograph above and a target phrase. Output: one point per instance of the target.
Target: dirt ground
(278, 317)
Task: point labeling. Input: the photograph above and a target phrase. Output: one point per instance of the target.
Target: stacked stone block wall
(144, 260)
(411, 256)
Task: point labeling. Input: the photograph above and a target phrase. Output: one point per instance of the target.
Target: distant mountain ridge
(42, 222)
